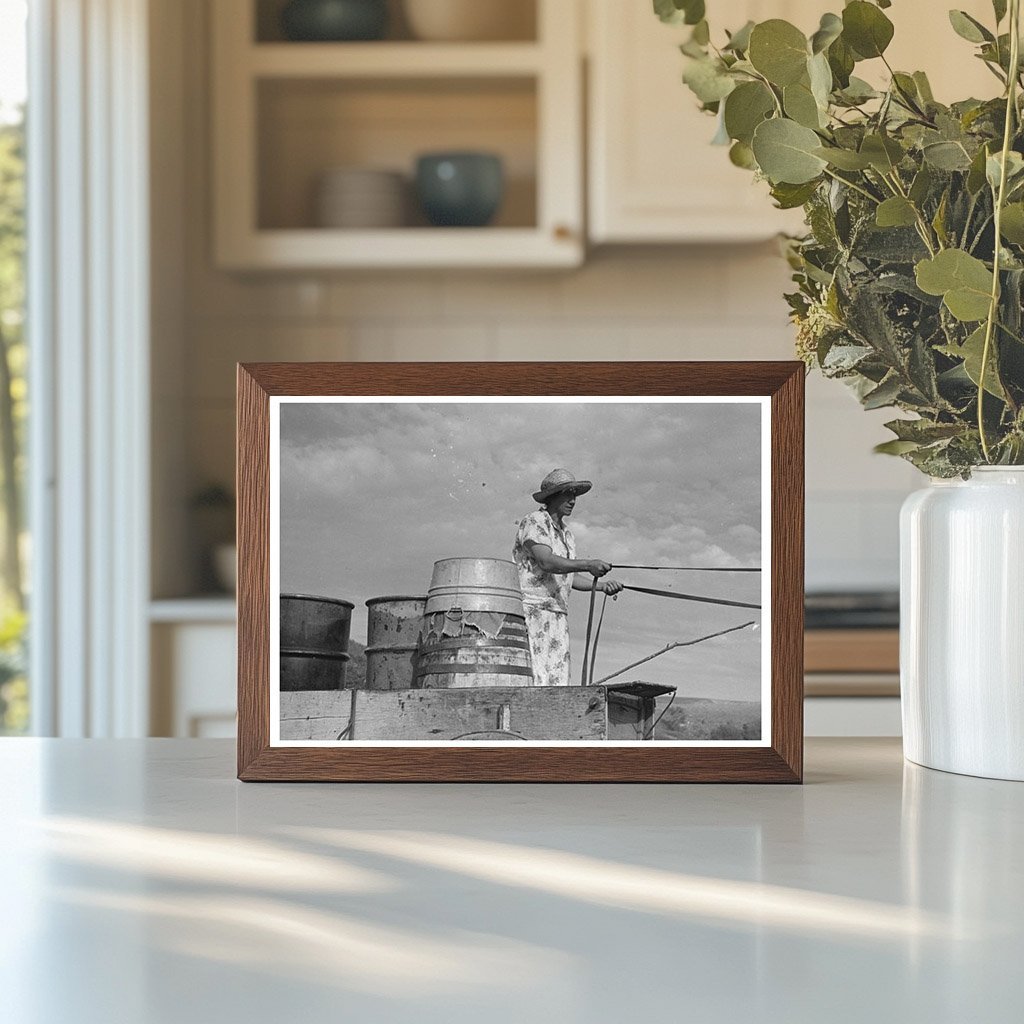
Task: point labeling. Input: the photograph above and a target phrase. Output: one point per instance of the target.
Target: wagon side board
(551, 713)
(555, 713)
(315, 714)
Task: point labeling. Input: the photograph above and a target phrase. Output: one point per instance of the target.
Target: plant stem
(993, 309)
(850, 184)
(922, 225)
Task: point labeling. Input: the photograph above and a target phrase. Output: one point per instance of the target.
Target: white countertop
(142, 884)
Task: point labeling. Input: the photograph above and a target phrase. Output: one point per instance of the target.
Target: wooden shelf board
(852, 650)
(206, 608)
(851, 684)
(402, 247)
(392, 60)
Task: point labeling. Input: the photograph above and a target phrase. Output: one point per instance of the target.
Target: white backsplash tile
(716, 302)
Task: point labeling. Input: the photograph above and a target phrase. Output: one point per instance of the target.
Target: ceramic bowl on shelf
(460, 189)
(334, 21)
(361, 198)
(470, 20)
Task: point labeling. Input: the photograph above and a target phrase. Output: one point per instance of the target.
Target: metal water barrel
(393, 632)
(475, 584)
(314, 634)
(474, 627)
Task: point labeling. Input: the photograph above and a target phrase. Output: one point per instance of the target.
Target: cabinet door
(654, 175)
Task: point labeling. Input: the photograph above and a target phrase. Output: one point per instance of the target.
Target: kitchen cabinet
(192, 651)
(286, 113)
(653, 175)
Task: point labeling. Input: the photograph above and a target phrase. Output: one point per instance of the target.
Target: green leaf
(921, 185)
(976, 174)
(745, 108)
(844, 159)
(883, 153)
(800, 105)
(742, 155)
(829, 30)
(708, 80)
(1014, 169)
(841, 60)
(923, 431)
(963, 281)
(778, 50)
(676, 12)
(895, 447)
(785, 152)
(885, 394)
(946, 156)
(858, 91)
(789, 197)
(939, 220)
(969, 28)
(906, 89)
(820, 76)
(924, 88)
(701, 33)
(896, 212)
(866, 29)
(971, 352)
(1012, 224)
(739, 41)
(999, 7)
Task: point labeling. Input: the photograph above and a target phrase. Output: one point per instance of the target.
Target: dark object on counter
(461, 190)
(856, 610)
(314, 642)
(332, 21)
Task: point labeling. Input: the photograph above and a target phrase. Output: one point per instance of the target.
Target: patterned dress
(545, 597)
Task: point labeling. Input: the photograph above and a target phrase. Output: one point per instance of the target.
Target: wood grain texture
(536, 713)
(252, 487)
(315, 714)
(519, 762)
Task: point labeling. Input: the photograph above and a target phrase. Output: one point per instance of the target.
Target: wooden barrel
(314, 634)
(474, 627)
(473, 659)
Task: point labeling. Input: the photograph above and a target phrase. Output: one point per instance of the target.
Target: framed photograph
(520, 572)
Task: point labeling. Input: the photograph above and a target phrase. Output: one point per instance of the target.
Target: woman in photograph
(545, 553)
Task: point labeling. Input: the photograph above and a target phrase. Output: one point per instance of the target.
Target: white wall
(720, 302)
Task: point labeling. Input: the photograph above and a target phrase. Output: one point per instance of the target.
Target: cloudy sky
(372, 495)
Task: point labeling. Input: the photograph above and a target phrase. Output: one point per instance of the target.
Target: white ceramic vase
(962, 624)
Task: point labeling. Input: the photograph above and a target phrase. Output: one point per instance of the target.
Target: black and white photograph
(550, 571)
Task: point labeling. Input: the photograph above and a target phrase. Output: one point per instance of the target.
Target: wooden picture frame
(778, 759)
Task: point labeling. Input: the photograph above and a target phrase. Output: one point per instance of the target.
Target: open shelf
(393, 60)
(308, 127)
(519, 17)
(287, 113)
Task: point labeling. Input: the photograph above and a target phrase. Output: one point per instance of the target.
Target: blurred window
(14, 546)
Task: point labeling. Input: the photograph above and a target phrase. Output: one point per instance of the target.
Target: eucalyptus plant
(910, 278)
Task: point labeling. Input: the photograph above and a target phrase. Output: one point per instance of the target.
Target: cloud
(372, 494)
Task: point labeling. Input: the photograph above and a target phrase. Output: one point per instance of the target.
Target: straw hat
(560, 480)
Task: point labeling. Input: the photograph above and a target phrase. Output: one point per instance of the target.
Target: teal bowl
(460, 190)
(334, 21)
